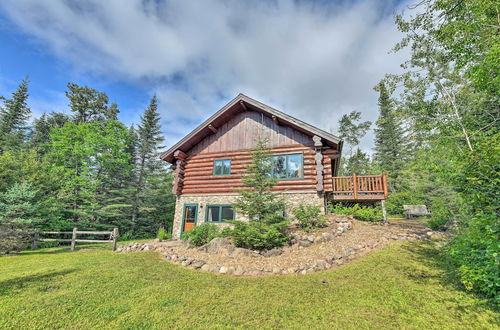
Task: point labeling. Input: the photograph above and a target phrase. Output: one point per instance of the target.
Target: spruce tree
(257, 201)
(14, 117)
(389, 138)
(149, 166)
(351, 131)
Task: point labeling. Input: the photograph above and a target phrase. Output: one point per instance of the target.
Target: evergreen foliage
(17, 216)
(389, 139)
(257, 201)
(14, 115)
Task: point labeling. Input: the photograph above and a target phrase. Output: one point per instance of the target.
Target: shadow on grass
(66, 249)
(16, 284)
(430, 254)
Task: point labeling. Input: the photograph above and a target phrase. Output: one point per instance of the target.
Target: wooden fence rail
(113, 236)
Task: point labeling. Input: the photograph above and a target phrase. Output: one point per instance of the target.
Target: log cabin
(208, 164)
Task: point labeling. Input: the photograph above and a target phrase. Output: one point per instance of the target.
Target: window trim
(289, 154)
(221, 159)
(220, 206)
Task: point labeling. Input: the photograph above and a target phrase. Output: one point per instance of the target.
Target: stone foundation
(292, 200)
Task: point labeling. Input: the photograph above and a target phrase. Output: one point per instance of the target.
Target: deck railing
(360, 187)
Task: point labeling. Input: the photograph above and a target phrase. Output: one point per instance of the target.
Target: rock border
(224, 246)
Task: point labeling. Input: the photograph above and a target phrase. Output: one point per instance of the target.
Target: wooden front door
(190, 217)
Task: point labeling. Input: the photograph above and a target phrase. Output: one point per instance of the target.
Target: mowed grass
(402, 286)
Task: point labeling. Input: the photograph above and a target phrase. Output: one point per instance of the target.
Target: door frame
(184, 216)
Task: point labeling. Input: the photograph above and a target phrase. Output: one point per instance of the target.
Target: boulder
(198, 264)
(219, 245)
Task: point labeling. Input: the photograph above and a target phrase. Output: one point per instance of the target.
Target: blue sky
(315, 60)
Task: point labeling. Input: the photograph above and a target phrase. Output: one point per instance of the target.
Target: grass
(402, 286)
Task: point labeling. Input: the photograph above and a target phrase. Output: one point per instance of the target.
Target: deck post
(354, 186)
(115, 237)
(384, 182)
(73, 239)
(384, 211)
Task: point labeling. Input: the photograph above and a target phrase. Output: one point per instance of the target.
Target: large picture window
(222, 167)
(219, 213)
(288, 166)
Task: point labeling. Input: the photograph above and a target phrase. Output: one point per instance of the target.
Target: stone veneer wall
(292, 199)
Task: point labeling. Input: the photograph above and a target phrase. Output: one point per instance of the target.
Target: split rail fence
(113, 236)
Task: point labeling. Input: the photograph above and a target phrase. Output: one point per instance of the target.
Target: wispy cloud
(316, 61)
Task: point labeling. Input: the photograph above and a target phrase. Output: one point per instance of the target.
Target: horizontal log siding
(199, 178)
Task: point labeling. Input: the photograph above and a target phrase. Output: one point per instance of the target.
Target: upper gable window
(222, 167)
(288, 166)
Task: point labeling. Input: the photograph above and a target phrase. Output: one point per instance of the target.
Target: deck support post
(384, 211)
(354, 186)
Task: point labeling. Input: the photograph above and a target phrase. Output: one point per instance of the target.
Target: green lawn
(403, 286)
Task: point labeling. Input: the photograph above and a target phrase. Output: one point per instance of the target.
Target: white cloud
(314, 61)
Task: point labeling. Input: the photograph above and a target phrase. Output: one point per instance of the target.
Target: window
(222, 167)
(219, 213)
(288, 166)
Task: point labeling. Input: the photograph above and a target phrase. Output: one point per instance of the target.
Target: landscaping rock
(239, 271)
(205, 267)
(272, 252)
(240, 252)
(219, 245)
(305, 243)
(223, 270)
(198, 264)
(213, 269)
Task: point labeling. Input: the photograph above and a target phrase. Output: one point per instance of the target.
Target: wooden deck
(359, 188)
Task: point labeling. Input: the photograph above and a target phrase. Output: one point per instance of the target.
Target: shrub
(258, 235)
(373, 214)
(309, 217)
(163, 235)
(395, 201)
(440, 215)
(202, 234)
(127, 236)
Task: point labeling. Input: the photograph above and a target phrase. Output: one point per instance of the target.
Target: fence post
(34, 244)
(355, 186)
(115, 237)
(73, 239)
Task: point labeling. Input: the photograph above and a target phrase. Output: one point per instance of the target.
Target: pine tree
(14, 117)
(87, 103)
(358, 163)
(149, 166)
(389, 138)
(43, 125)
(351, 131)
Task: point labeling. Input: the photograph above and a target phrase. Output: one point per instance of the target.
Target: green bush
(127, 236)
(440, 215)
(395, 201)
(258, 235)
(163, 235)
(309, 217)
(202, 234)
(366, 213)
